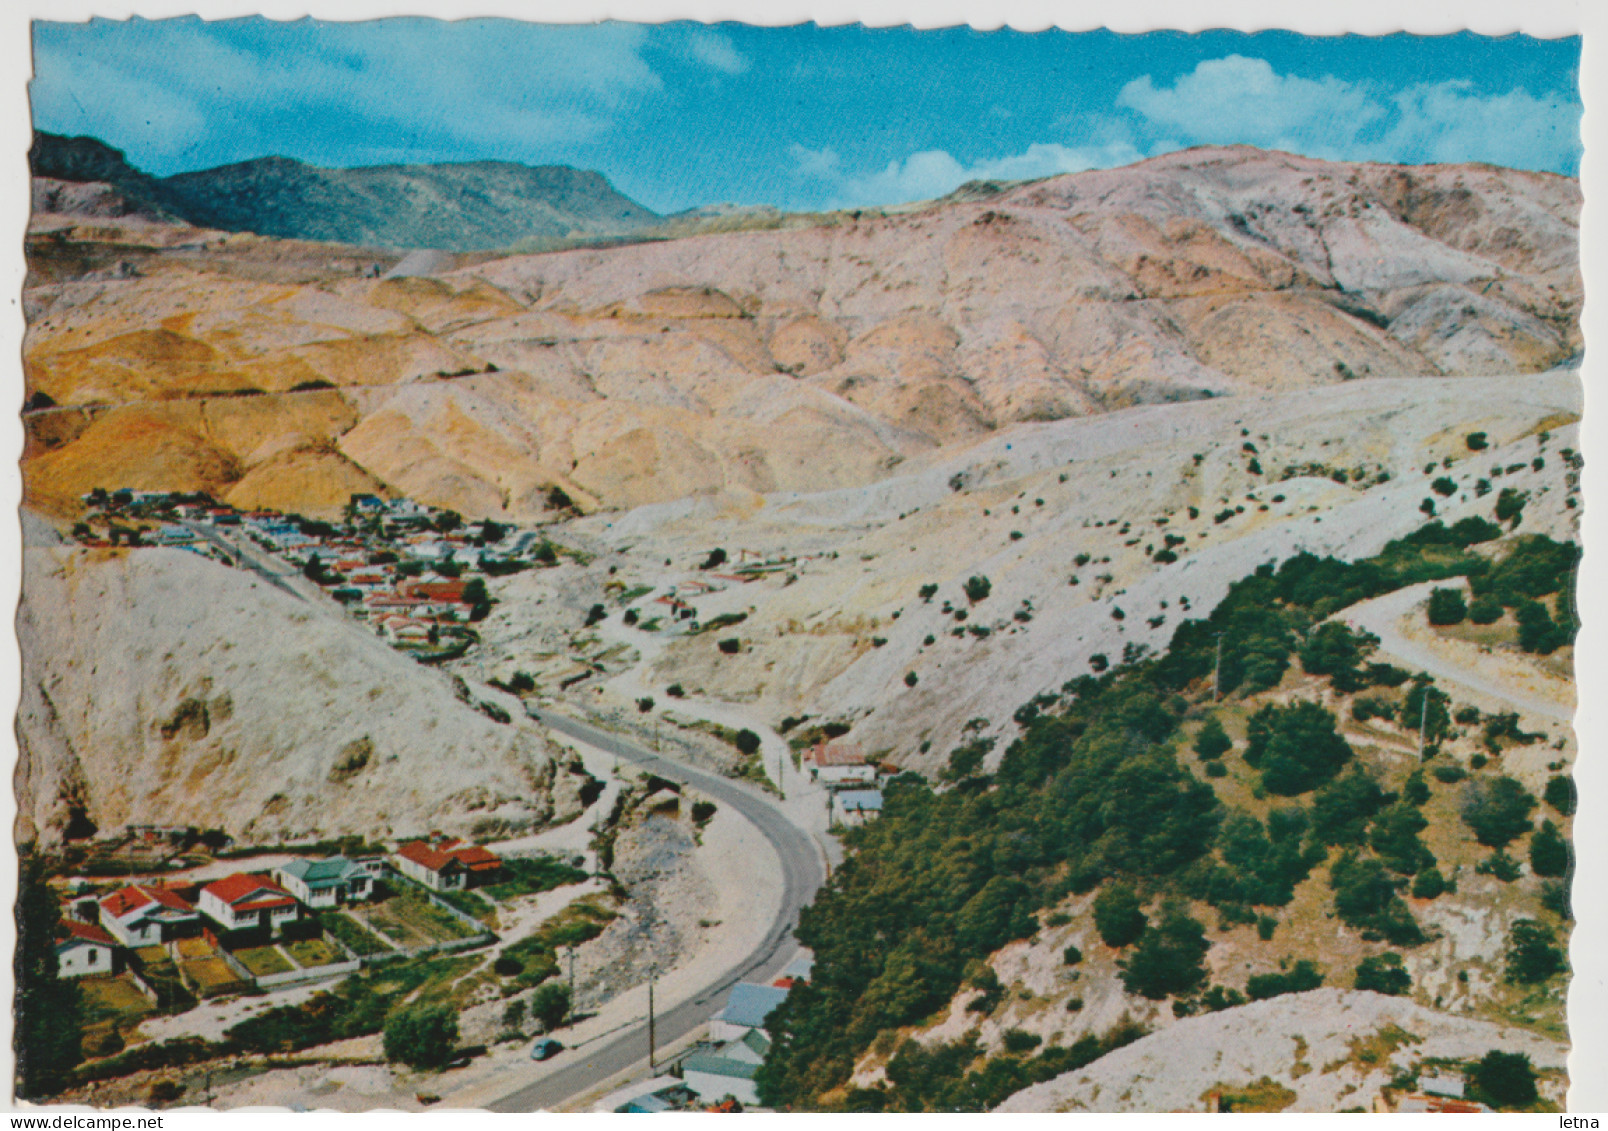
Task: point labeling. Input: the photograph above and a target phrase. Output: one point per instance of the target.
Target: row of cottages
(447, 865)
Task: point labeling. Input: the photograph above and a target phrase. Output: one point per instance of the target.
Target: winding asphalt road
(802, 874)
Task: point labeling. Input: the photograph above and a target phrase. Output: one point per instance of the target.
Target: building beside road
(745, 1010)
(448, 865)
(244, 902)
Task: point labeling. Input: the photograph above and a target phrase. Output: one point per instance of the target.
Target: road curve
(802, 874)
(1379, 616)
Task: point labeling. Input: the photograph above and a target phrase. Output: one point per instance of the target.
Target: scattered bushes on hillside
(1365, 898)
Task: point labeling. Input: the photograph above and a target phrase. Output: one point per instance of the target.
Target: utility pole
(1423, 717)
(571, 951)
(1217, 669)
(653, 969)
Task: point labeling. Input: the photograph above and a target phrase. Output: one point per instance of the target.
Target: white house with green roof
(329, 882)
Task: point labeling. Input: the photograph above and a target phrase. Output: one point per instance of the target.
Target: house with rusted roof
(448, 865)
(146, 915)
(244, 902)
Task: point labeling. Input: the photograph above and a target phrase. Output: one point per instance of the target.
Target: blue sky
(679, 115)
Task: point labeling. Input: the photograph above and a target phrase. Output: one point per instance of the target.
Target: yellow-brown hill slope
(795, 359)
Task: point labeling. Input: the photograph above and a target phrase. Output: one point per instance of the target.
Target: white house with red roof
(244, 902)
(84, 949)
(448, 865)
(147, 915)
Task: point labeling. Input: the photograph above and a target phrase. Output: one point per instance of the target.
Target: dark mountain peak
(80, 159)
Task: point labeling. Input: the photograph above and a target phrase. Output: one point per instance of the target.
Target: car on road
(545, 1049)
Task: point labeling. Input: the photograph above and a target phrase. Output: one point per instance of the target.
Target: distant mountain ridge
(468, 206)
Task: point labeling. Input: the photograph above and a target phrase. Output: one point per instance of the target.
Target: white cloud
(1446, 122)
(935, 172)
(1240, 100)
(1236, 100)
(417, 89)
(715, 50)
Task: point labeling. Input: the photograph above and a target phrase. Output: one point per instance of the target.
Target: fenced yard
(313, 952)
(262, 960)
(410, 920)
(353, 935)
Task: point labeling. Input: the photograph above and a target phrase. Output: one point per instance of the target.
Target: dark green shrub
(1117, 915)
(1168, 959)
(1020, 1041)
(1383, 974)
(1504, 1079)
(1485, 609)
(1532, 954)
(1446, 607)
(1560, 794)
(1212, 742)
(1299, 978)
(1549, 852)
(1497, 810)
(1296, 748)
(1071, 956)
(1429, 884)
(424, 1037)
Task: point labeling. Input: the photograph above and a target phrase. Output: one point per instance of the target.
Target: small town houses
(84, 949)
(243, 902)
(330, 882)
(147, 915)
(448, 865)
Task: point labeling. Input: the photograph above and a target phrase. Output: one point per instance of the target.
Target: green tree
(747, 742)
(1485, 609)
(1333, 648)
(1497, 810)
(1532, 954)
(1342, 809)
(1504, 1079)
(1365, 898)
(1560, 794)
(1445, 486)
(1117, 915)
(1212, 742)
(1538, 632)
(1394, 836)
(1510, 505)
(1383, 974)
(47, 1008)
(1446, 607)
(978, 588)
(1296, 748)
(1429, 884)
(1549, 851)
(1303, 976)
(550, 1004)
(513, 1018)
(1169, 957)
(422, 1037)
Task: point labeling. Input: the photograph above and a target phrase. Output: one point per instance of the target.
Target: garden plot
(410, 921)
